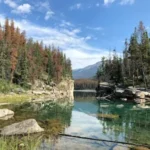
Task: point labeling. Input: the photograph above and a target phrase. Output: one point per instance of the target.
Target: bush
(6, 87)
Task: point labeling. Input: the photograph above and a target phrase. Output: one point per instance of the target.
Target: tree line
(85, 84)
(23, 60)
(133, 67)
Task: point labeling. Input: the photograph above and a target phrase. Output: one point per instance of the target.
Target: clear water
(133, 125)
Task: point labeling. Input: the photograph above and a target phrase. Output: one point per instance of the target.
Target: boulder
(6, 112)
(120, 106)
(25, 127)
(140, 94)
(143, 106)
(121, 147)
(140, 97)
(119, 93)
(124, 99)
(129, 93)
(18, 90)
(7, 117)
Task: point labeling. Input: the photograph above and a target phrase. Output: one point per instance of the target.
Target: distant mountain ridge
(87, 72)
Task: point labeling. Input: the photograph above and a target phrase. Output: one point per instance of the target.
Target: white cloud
(49, 14)
(76, 6)
(23, 9)
(82, 59)
(95, 28)
(18, 9)
(106, 2)
(10, 3)
(43, 6)
(88, 38)
(65, 24)
(124, 2)
(74, 46)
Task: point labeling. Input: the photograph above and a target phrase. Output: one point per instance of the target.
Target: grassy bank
(8, 93)
(20, 143)
(15, 98)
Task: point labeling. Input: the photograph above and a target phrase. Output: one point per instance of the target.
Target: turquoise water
(133, 124)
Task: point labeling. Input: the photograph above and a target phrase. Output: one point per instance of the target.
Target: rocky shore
(61, 92)
(107, 91)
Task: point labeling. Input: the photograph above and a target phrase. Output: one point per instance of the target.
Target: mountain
(87, 72)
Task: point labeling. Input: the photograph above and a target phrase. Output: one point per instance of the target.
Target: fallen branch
(102, 140)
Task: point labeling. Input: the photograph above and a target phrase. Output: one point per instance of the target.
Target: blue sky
(83, 29)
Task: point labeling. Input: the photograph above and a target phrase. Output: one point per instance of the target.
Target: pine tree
(1, 33)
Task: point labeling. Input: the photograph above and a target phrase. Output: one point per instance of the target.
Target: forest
(133, 67)
(85, 84)
(23, 60)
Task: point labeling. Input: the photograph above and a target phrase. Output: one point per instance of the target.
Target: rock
(38, 92)
(121, 147)
(120, 106)
(119, 92)
(18, 91)
(25, 127)
(140, 94)
(140, 97)
(129, 93)
(134, 107)
(6, 117)
(22, 145)
(2, 104)
(141, 148)
(104, 106)
(52, 84)
(38, 85)
(6, 112)
(124, 99)
(143, 106)
(140, 101)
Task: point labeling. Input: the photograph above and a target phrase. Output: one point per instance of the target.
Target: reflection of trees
(84, 95)
(132, 125)
(56, 111)
(44, 111)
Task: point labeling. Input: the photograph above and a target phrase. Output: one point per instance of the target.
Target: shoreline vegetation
(130, 73)
(23, 61)
(28, 67)
(31, 74)
(132, 69)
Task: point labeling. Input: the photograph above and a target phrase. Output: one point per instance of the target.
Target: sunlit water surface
(133, 124)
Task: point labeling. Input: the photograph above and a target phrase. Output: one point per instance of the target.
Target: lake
(133, 124)
(85, 119)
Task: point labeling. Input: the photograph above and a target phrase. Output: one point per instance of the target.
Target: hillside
(87, 72)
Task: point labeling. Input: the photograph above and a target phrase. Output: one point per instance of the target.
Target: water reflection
(84, 95)
(84, 119)
(131, 126)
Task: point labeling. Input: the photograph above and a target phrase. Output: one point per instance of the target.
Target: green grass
(6, 86)
(15, 98)
(20, 143)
